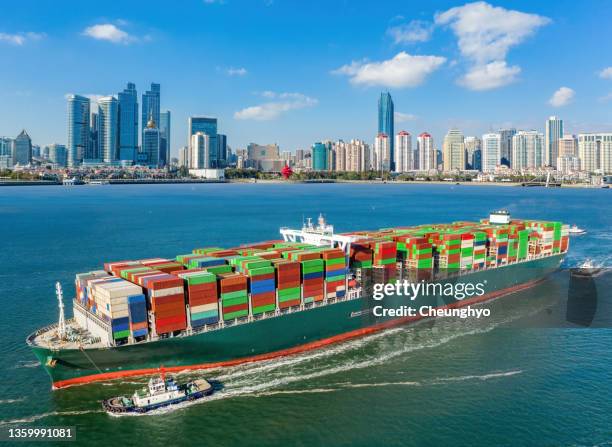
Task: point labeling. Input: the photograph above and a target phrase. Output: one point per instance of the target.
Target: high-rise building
(351, 156)
(221, 150)
(505, 144)
(108, 129)
(93, 149)
(403, 152)
(200, 151)
(7, 147)
(264, 158)
(454, 150)
(78, 129)
(319, 157)
(151, 143)
(299, 155)
(426, 153)
(165, 121)
(57, 154)
(554, 132)
(386, 122)
(183, 157)
(568, 145)
(382, 153)
(209, 127)
(151, 105)
(35, 151)
(22, 154)
(595, 152)
(491, 151)
(128, 123)
(528, 150)
(473, 153)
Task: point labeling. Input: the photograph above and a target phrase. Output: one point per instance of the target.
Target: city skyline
(326, 89)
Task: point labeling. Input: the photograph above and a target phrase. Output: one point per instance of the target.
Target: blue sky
(296, 72)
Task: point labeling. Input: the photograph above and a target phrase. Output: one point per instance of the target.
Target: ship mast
(61, 324)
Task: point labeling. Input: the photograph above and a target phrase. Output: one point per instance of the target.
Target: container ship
(219, 307)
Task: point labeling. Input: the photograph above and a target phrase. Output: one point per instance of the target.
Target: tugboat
(586, 269)
(160, 392)
(575, 231)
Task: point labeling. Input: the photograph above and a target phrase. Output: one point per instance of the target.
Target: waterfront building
(165, 121)
(595, 152)
(454, 151)
(221, 150)
(200, 151)
(386, 122)
(7, 147)
(78, 129)
(22, 153)
(93, 149)
(319, 157)
(505, 146)
(568, 145)
(568, 164)
(151, 100)
(108, 129)
(208, 126)
(299, 155)
(128, 123)
(403, 152)
(473, 153)
(426, 152)
(528, 150)
(491, 151)
(57, 154)
(382, 153)
(554, 132)
(264, 158)
(151, 144)
(35, 151)
(183, 157)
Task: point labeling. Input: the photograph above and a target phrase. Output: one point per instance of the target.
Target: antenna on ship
(61, 324)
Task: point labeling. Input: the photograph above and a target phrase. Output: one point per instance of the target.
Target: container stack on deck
(137, 313)
(449, 252)
(262, 285)
(201, 294)
(335, 273)
(288, 283)
(312, 269)
(234, 295)
(166, 299)
(480, 249)
(111, 299)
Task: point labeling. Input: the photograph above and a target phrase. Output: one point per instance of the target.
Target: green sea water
(522, 377)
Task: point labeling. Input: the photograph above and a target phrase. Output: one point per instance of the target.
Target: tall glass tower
(128, 123)
(150, 105)
(108, 128)
(164, 135)
(385, 122)
(554, 132)
(207, 126)
(78, 129)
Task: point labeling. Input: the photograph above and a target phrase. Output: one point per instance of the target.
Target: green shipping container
(262, 309)
(237, 314)
(121, 334)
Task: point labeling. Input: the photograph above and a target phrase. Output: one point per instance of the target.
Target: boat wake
(36, 417)
(11, 401)
(27, 364)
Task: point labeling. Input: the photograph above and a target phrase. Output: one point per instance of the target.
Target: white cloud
(562, 97)
(109, 32)
(236, 71)
(490, 76)
(403, 70)
(403, 117)
(606, 73)
(282, 103)
(415, 31)
(20, 38)
(606, 98)
(486, 32)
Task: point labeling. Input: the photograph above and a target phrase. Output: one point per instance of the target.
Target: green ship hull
(274, 336)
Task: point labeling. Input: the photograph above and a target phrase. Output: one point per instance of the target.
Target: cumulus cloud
(236, 71)
(280, 104)
(20, 38)
(414, 31)
(490, 76)
(562, 97)
(403, 70)
(109, 32)
(606, 73)
(485, 35)
(403, 117)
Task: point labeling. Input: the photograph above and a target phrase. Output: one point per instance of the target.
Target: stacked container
(313, 288)
(166, 299)
(480, 249)
(137, 313)
(288, 283)
(111, 299)
(202, 297)
(449, 251)
(262, 286)
(80, 284)
(467, 251)
(234, 295)
(335, 273)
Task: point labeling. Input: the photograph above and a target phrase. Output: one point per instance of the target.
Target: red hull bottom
(290, 351)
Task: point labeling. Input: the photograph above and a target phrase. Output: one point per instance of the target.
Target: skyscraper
(78, 129)
(382, 153)
(595, 152)
(164, 135)
(57, 154)
(385, 122)
(491, 151)
(426, 152)
(93, 149)
(22, 154)
(505, 145)
(151, 105)
(151, 143)
(128, 123)
(528, 150)
(554, 132)
(207, 126)
(454, 150)
(221, 150)
(108, 129)
(319, 157)
(473, 153)
(403, 152)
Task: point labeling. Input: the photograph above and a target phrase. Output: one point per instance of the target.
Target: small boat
(575, 231)
(586, 269)
(160, 392)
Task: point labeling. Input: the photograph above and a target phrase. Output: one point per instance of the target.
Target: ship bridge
(322, 235)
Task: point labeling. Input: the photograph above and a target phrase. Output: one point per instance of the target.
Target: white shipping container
(203, 308)
(166, 292)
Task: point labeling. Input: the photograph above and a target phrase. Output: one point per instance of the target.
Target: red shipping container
(262, 277)
(177, 319)
(171, 328)
(235, 308)
(286, 304)
(257, 301)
